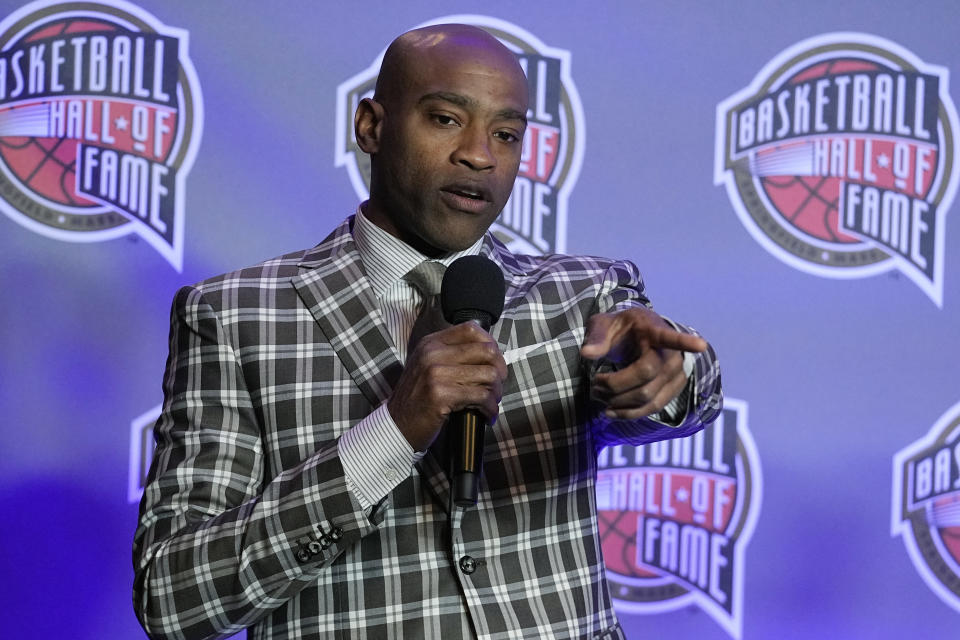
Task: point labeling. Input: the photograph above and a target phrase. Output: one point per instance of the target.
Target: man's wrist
(376, 457)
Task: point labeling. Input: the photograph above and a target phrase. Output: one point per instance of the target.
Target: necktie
(426, 277)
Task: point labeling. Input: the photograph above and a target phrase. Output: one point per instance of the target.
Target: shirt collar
(387, 259)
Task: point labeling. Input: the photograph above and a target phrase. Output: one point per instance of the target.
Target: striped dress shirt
(376, 456)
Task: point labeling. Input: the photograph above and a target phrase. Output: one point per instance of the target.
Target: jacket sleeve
(623, 288)
(218, 545)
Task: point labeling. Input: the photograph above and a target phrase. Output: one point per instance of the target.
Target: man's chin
(450, 241)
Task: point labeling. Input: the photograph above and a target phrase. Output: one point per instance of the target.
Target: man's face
(449, 149)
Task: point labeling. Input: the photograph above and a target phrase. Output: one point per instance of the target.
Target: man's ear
(367, 123)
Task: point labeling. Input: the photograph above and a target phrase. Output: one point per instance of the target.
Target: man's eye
(445, 120)
(506, 136)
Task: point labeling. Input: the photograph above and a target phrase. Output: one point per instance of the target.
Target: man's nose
(474, 150)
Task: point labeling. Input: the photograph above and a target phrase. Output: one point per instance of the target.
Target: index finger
(667, 338)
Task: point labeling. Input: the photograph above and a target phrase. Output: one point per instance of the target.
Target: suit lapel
(504, 331)
(335, 289)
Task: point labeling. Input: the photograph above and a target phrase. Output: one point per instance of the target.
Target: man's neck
(386, 258)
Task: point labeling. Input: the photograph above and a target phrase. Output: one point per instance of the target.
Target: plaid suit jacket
(247, 520)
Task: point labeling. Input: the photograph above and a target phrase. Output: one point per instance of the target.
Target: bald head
(414, 53)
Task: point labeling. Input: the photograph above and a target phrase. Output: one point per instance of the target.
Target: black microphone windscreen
(472, 289)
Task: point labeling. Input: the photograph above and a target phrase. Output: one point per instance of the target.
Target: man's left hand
(649, 359)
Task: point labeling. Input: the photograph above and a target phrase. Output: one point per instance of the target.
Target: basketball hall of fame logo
(534, 218)
(676, 517)
(100, 118)
(841, 159)
(926, 505)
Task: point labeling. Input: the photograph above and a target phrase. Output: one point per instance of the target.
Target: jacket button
(303, 555)
(468, 565)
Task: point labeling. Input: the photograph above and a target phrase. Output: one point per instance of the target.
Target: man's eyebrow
(446, 96)
(512, 114)
(465, 101)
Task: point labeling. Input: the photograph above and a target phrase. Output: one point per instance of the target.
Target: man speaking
(300, 482)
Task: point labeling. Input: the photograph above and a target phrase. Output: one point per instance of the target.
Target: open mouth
(473, 195)
(470, 191)
(466, 197)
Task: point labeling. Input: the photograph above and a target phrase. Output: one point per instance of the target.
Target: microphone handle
(465, 434)
(466, 431)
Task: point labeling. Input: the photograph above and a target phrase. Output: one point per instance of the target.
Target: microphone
(472, 289)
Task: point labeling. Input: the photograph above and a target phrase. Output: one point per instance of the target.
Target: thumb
(599, 338)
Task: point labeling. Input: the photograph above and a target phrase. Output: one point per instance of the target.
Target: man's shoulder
(566, 271)
(280, 270)
(564, 266)
(281, 267)
(564, 263)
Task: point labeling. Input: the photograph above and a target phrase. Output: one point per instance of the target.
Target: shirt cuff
(676, 410)
(375, 457)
